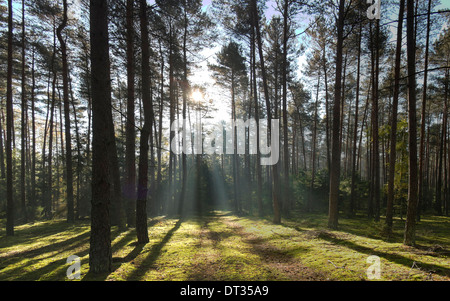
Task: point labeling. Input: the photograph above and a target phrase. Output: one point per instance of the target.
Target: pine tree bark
(100, 255)
(146, 132)
(48, 194)
(336, 146)
(171, 119)
(440, 165)
(130, 157)
(275, 191)
(327, 111)
(65, 71)
(423, 115)
(393, 137)
(9, 128)
(235, 155)
(2, 154)
(79, 164)
(314, 143)
(355, 129)
(33, 137)
(256, 105)
(185, 88)
(410, 226)
(375, 137)
(287, 194)
(24, 125)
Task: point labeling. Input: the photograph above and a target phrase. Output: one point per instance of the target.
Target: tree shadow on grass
(153, 255)
(116, 261)
(125, 240)
(437, 269)
(26, 271)
(56, 267)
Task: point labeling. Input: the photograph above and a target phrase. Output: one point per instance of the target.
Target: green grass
(222, 246)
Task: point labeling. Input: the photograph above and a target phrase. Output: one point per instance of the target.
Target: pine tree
(336, 145)
(100, 256)
(68, 155)
(410, 226)
(9, 128)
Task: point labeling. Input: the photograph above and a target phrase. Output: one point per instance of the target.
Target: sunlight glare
(197, 96)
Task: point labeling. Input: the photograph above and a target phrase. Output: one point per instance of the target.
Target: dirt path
(256, 260)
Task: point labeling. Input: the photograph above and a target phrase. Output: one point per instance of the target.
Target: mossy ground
(221, 246)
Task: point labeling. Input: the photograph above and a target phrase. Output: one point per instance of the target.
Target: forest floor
(221, 246)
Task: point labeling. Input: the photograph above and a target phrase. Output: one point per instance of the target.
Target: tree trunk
(23, 147)
(446, 118)
(100, 255)
(65, 70)
(9, 128)
(393, 138)
(79, 164)
(327, 114)
(33, 138)
(438, 204)
(355, 129)
(146, 133)
(410, 227)
(171, 119)
(275, 193)
(130, 156)
(336, 148)
(313, 153)
(2, 154)
(48, 194)
(185, 87)
(235, 155)
(255, 96)
(375, 121)
(287, 190)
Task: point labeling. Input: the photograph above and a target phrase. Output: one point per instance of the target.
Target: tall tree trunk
(256, 105)
(423, 115)
(235, 155)
(446, 108)
(146, 133)
(446, 200)
(287, 190)
(65, 70)
(130, 156)
(393, 138)
(9, 128)
(171, 118)
(438, 204)
(2, 154)
(100, 255)
(160, 122)
(24, 125)
(79, 164)
(341, 122)
(336, 147)
(185, 87)
(355, 129)
(327, 111)
(313, 152)
(410, 227)
(275, 193)
(33, 138)
(44, 144)
(375, 137)
(48, 194)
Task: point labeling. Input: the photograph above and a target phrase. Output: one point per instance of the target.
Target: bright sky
(220, 97)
